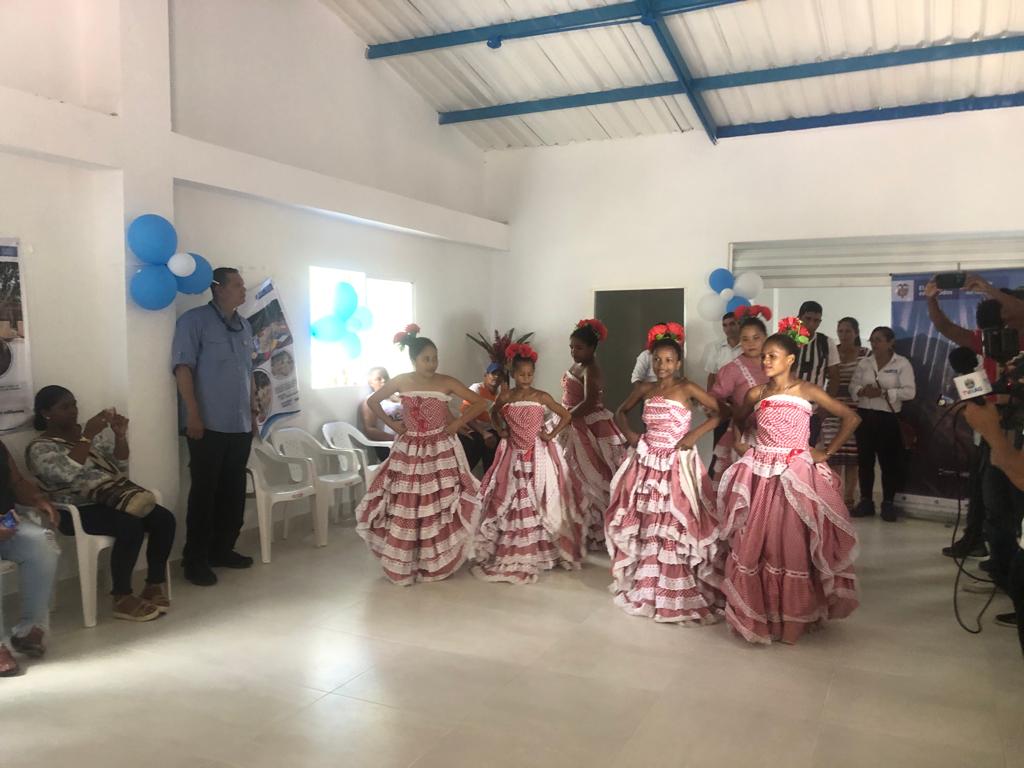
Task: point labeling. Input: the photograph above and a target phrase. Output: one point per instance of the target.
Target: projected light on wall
(352, 320)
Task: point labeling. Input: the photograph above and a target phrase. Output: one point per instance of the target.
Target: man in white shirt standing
(717, 354)
(819, 360)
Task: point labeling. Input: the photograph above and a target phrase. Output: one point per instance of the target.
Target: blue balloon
(345, 300)
(720, 280)
(361, 319)
(199, 280)
(329, 329)
(351, 345)
(152, 238)
(153, 287)
(736, 302)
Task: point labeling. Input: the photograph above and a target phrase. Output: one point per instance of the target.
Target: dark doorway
(628, 315)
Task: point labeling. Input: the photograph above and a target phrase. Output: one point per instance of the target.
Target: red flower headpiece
(796, 330)
(524, 351)
(661, 331)
(595, 325)
(402, 338)
(754, 310)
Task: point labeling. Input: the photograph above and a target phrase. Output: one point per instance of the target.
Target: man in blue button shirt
(212, 363)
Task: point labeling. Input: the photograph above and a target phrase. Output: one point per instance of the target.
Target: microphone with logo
(971, 382)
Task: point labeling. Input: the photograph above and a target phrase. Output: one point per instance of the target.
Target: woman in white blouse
(881, 384)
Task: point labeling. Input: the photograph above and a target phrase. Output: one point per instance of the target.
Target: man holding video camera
(995, 505)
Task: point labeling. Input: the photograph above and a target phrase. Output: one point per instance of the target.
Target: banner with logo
(940, 454)
(273, 357)
(15, 372)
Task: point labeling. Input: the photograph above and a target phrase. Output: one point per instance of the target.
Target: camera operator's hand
(976, 284)
(931, 290)
(984, 419)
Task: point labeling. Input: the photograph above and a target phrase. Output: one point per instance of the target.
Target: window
(353, 319)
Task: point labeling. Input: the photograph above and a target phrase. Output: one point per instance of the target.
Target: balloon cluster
(165, 272)
(730, 293)
(342, 326)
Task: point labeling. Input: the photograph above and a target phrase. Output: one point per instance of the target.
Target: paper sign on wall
(15, 371)
(273, 358)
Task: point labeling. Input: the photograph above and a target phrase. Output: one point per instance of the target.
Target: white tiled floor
(316, 661)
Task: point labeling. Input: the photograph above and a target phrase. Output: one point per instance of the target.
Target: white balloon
(748, 285)
(181, 264)
(727, 294)
(711, 307)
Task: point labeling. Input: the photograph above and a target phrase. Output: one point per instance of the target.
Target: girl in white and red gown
(419, 513)
(662, 534)
(734, 380)
(530, 517)
(792, 543)
(594, 446)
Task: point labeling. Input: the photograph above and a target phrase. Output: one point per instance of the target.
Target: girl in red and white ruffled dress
(530, 519)
(662, 533)
(420, 511)
(792, 543)
(594, 446)
(734, 380)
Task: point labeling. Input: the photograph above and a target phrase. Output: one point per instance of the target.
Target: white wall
(72, 278)
(290, 81)
(63, 49)
(663, 210)
(266, 240)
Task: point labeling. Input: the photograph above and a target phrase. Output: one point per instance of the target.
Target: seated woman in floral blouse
(71, 462)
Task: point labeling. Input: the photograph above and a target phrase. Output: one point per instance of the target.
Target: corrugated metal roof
(750, 35)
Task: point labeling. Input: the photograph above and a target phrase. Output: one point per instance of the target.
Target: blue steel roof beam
(861, 63)
(675, 58)
(562, 102)
(969, 104)
(493, 34)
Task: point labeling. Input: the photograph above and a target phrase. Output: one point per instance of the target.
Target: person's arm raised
(564, 417)
(635, 396)
(477, 404)
(849, 420)
(691, 390)
(374, 403)
(955, 333)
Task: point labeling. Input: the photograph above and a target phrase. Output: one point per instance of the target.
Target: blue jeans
(36, 554)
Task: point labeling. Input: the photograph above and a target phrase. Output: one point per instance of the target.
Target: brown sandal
(157, 595)
(8, 665)
(132, 608)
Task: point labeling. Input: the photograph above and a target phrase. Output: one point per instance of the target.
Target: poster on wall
(941, 455)
(15, 371)
(273, 357)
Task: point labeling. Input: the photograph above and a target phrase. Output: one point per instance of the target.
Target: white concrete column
(148, 188)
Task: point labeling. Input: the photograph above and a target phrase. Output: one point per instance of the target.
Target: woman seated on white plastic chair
(36, 553)
(368, 422)
(85, 466)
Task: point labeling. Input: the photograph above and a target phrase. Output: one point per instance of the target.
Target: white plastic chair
(274, 483)
(341, 434)
(88, 547)
(335, 469)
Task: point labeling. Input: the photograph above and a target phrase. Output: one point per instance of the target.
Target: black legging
(128, 532)
(879, 436)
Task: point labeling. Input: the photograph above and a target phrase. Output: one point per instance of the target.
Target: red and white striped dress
(594, 450)
(531, 520)
(419, 512)
(732, 382)
(662, 533)
(793, 546)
